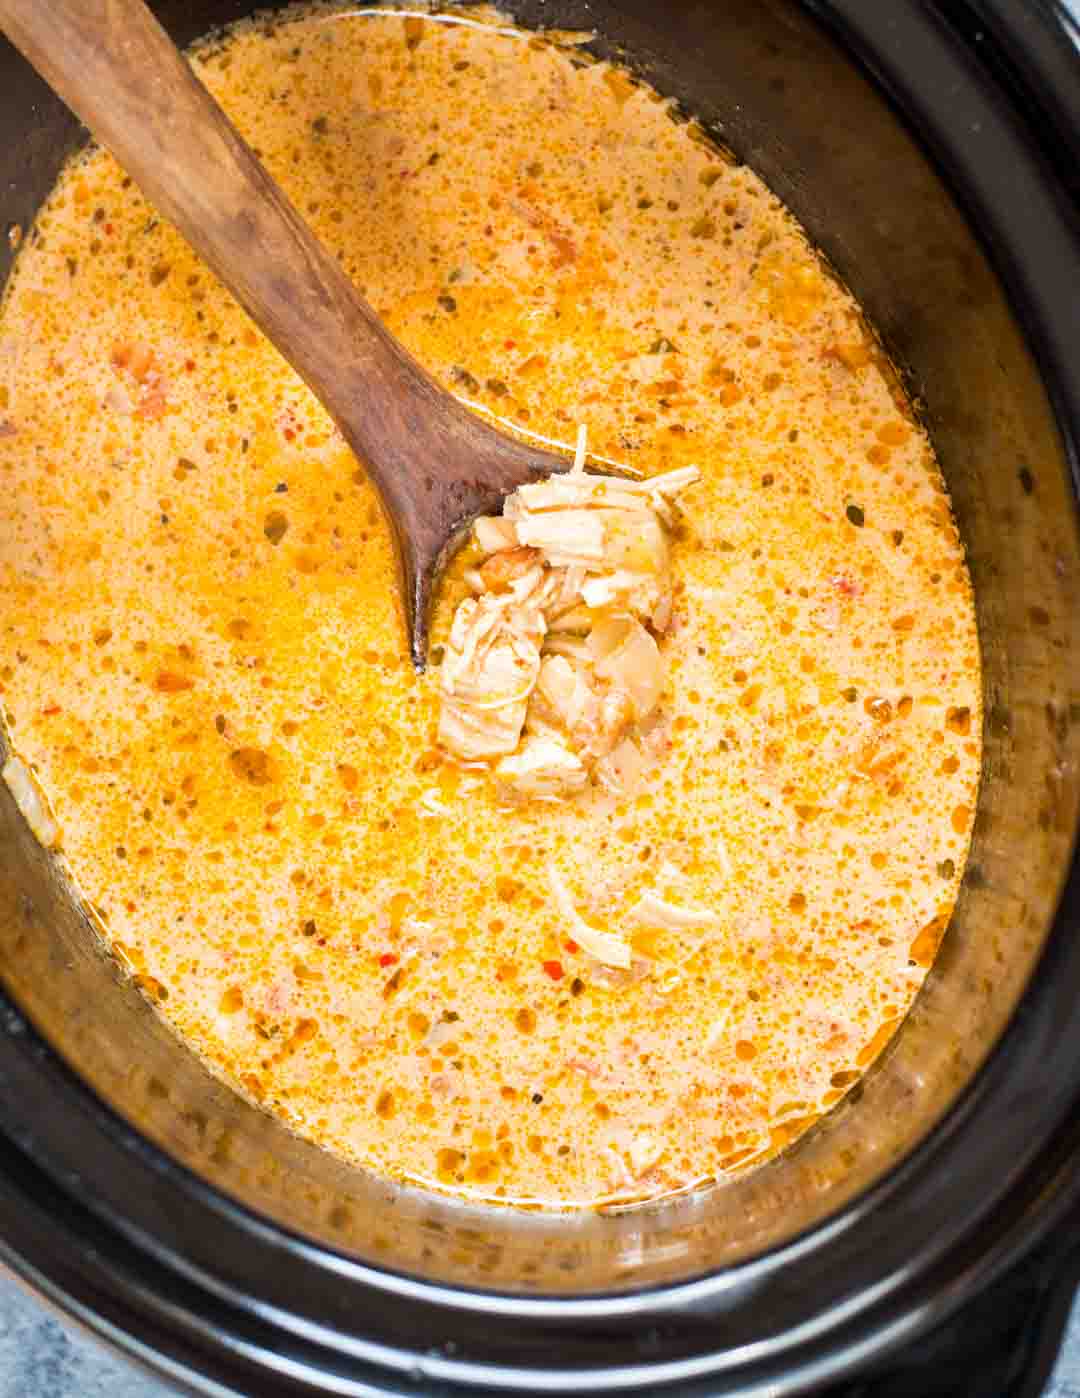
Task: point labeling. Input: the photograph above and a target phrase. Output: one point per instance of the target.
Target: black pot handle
(1001, 1344)
(1032, 49)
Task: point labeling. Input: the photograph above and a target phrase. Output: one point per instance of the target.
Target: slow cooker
(925, 1237)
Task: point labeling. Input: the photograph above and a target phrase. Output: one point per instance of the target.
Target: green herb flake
(464, 378)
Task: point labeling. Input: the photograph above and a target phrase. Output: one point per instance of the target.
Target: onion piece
(492, 534)
(657, 912)
(565, 690)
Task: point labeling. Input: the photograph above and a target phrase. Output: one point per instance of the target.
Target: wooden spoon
(436, 465)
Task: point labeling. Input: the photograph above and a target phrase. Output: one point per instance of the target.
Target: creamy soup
(204, 660)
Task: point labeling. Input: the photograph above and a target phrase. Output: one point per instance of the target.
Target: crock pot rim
(117, 1292)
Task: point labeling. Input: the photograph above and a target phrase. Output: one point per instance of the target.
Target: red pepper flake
(189, 365)
(571, 946)
(290, 435)
(509, 344)
(554, 970)
(109, 229)
(50, 709)
(388, 958)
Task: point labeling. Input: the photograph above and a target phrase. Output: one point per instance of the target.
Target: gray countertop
(41, 1357)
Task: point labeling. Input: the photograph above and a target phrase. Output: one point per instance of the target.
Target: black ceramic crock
(923, 1239)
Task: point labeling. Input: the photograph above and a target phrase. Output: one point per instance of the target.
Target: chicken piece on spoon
(554, 666)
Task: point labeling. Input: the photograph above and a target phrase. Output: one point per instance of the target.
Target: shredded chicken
(604, 946)
(717, 1031)
(622, 770)
(609, 948)
(552, 667)
(489, 670)
(625, 654)
(565, 690)
(656, 912)
(543, 769)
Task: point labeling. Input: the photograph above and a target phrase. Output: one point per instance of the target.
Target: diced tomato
(554, 970)
(169, 682)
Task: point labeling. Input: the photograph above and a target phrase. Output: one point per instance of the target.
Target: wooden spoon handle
(120, 72)
(436, 464)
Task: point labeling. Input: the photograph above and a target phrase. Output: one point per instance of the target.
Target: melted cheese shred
(203, 662)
